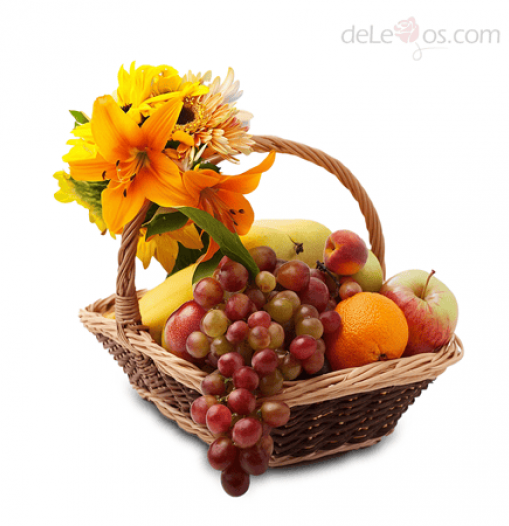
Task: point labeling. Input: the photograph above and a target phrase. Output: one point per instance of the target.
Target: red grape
(267, 444)
(222, 453)
(241, 401)
(291, 367)
(257, 297)
(265, 258)
(229, 363)
(246, 432)
(238, 307)
(314, 363)
(275, 414)
(218, 419)
(258, 337)
(320, 346)
(259, 319)
(235, 480)
(306, 311)
(264, 361)
(213, 384)
(254, 460)
(316, 294)
(271, 384)
(303, 346)
(208, 293)
(331, 321)
(200, 407)
(349, 289)
(233, 276)
(237, 332)
(246, 377)
(293, 275)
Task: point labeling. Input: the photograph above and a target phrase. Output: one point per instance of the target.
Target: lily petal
(248, 181)
(114, 132)
(161, 183)
(96, 169)
(158, 127)
(120, 203)
(196, 180)
(244, 216)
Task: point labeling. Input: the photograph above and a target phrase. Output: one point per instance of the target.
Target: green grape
(277, 335)
(214, 323)
(220, 346)
(311, 326)
(280, 309)
(265, 281)
(290, 295)
(291, 367)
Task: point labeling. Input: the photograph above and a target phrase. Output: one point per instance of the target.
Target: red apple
(179, 326)
(430, 309)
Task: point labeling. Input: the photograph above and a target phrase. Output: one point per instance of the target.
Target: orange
(373, 328)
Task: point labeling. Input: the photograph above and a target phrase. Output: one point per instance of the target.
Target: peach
(179, 326)
(345, 253)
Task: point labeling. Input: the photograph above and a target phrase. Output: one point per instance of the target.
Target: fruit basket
(331, 414)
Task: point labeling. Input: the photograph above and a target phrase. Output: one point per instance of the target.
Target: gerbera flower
(131, 158)
(213, 120)
(222, 196)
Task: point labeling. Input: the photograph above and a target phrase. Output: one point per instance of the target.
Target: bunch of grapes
(253, 337)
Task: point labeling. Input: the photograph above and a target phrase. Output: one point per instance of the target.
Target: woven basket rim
(345, 382)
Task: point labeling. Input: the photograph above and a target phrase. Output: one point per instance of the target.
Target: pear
(370, 276)
(290, 238)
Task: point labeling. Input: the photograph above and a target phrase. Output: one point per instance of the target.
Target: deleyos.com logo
(408, 32)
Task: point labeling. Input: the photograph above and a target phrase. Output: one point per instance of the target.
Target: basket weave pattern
(331, 414)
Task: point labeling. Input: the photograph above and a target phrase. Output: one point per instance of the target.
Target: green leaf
(163, 222)
(209, 166)
(79, 117)
(205, 269)
(230, 243)
(186, 257)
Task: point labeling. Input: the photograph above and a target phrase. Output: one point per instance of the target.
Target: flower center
(131, 167)
(191, 115)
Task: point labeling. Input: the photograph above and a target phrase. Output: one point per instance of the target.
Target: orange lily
(132, 158)
(222, 196)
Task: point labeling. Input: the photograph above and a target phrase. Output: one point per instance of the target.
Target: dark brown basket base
(319, 427)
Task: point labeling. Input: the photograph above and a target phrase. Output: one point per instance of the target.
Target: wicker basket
(330, 414)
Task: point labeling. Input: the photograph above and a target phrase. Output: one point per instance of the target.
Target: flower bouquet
(276, 342)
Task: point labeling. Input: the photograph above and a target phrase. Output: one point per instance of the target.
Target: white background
(428, 139)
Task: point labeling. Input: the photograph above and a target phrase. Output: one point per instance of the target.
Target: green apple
(370, 277)
(430, 309)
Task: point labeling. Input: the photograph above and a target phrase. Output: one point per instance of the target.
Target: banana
(290, 239)
(157, 305)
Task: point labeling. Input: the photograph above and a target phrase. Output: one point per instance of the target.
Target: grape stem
(321, 266)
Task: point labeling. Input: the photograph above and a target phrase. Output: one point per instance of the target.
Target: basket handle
(127, 311)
